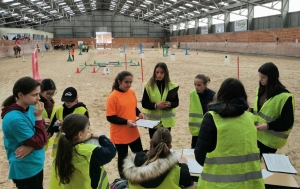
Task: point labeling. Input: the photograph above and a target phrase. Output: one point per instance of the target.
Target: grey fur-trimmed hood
(139, 175)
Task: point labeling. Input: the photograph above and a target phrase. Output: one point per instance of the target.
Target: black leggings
(263, 149)
(135, 146)
(35, 182)
(152, 131)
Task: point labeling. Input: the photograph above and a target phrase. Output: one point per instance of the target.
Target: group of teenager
(228, 136)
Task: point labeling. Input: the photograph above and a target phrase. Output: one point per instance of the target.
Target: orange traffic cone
(77, 71)
(94, 70)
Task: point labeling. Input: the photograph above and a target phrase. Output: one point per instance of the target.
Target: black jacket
(286, 119)
(147, 104)
(205, 98)
(207, 138)
(100, 157)
(152, 175)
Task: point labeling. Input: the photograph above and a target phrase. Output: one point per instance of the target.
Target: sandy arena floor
(93, 89)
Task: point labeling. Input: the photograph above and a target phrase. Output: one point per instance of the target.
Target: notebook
(279, 163)
(172, 94)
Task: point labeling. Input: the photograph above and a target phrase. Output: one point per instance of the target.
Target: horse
(17, 49)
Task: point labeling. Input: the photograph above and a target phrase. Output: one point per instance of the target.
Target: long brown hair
(160, 146)
(270, 69)
(230, 89)
(72, 125)
(24, 85)
(167, 79)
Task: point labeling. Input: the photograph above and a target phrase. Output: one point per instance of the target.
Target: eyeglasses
(51, 94)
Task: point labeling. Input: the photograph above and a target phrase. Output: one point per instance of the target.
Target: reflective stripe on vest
(269, 112)
(59, 116)
(170, 182)
(277, 134)
(198, 125)
(196, 113)
(158, 117)
(233, 159)
(80, 178)
(103, 184)
(166, 116)
(230, 165)
(232, 178)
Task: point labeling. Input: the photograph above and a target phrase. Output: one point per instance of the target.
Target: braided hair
(160, 146)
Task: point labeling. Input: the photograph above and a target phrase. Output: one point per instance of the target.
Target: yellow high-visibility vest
(171, 180)
(270, 111)
(235, 162)
(167, 116)
(81, 176)
(59, 116)
(195, 114)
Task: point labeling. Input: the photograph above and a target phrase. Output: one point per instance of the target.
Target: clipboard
(172, 94)
(147, 123)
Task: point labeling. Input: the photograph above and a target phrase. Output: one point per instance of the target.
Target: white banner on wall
(240, 25)
(204, 30)
(219, 28)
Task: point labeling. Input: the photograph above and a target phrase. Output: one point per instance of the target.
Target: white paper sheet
(279, 163)
(147, 123)
(188, 152)
(194, 166)
(266, 174)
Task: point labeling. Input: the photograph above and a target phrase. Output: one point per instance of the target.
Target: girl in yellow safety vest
(154, 102)
(70, 106)
(200, 97)
(48, 90)
(274, 109)
(157, 168)
(79, 165)
(226, 146)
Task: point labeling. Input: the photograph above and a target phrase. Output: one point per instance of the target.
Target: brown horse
(17, 49)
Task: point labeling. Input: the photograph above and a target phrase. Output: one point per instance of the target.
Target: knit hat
(269, 69)
(69, 95)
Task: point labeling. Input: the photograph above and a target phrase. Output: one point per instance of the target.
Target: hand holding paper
(147, 123)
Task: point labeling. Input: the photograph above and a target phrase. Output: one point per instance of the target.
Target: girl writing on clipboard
(159, 101)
